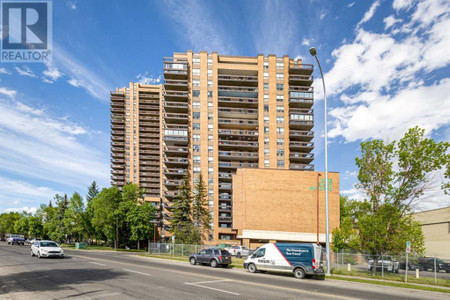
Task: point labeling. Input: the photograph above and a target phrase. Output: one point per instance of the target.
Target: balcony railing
(236, 101)
(296, 67)
(238, 123)
(306, 156)
(305, 167)
(249, 155)
(241, 133)
(301, 145)
(230, 164)
(238, 143)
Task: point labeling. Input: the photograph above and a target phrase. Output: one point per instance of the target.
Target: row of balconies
(301, 79)
(239, 144)
(239, 113)
(298, 166)
(238, 155)
(149, 157)
(297, 67)
(237, 123)
(147, 118)
(301, 157)
(170, 106)
(141, 151)
(301, 146)
(241, 164)
(230, 133)
(237, 101)
(174, 84)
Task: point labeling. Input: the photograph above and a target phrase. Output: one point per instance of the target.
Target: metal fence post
(382, 265)
(435, 270)
(337, 259)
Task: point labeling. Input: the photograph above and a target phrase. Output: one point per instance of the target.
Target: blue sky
(386, 65)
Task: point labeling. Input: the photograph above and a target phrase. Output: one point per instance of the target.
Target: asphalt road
(111, 275)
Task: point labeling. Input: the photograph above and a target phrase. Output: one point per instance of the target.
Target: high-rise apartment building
(216, 113)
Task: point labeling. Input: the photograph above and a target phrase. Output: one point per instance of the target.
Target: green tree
(92, 192)
(7, 221)
(36, 227)
(346, 235)
(139, 219)
(74, 217)
(181, 224)
(21, 225)
(393, 176)
(106, 218)
(201, 216)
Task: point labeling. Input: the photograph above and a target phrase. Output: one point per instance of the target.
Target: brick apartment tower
(216, 113)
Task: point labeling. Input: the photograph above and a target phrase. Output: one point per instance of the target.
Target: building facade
(219, 113)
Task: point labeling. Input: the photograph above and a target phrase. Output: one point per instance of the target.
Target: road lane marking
(211, 288)
(211, 281)
(98, 264)
(137, 272)
(105, 295)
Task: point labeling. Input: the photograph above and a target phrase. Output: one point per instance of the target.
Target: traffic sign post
(408, 250)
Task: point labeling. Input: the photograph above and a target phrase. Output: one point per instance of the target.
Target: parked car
(300, 259)
(212, 256)
(387, 263)
(239, 251)
(224, 246)
(427, 263)
(46, 249)
(17, 239)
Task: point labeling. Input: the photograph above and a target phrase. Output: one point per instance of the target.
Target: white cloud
(322, 15)
(96, 85)
(30, 210)
(354, 194)
(51, 74)
(4, 71)
(402, 4)
(25, 71)
(306, 42)
(73, 82)
(390, 21)
(36, 145)
(72, 5)
(199, 26)
(351, 4)
(145, 78)
(7, 92)
(369, 14)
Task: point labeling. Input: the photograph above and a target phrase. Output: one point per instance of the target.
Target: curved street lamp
(314, 53)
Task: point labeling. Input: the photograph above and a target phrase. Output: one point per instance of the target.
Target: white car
(46, 249)
(238, 251)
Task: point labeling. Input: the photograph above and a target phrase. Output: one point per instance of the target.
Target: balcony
(117, 149)
(149, 185)
(235, 91)
(301, 146)
(118, 183)
(237, 123)
(176, 151)
(117, 144)
(175, 68)
(225, 186)
(156, 152)
(179, 140)
(175, 95)
(301, 135)
(117, 138)
(240, 102)
(117, 132)
(145, 107)
(118, 166)
(149, 157)
(145, 101)
(118, 172)
(226, 144)
(181, 85)
(301, 124)
(225, 219)
(176, 118)
(306, 80)
(154, 113)
(303, 167)
(148, 118)
(117, 120)
(238, 113)
(153, 178)
(147, 95)
(148, 168)
(237, 155)
(296, 67)
(175, 106)
(238, 134)
(149, 163)
(235, 165)
(238, 79)
(173, 172)
(225, 208)
(301, 157)
(300, 103)
(114, 126)
(116, 109)
(176, 162)
(173, 184)
(225, 176)
(145, 136)
(149, 124)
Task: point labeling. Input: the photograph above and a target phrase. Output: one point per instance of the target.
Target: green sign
(322, 185)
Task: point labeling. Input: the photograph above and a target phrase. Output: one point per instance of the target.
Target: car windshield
(48, 244)
(235, 247)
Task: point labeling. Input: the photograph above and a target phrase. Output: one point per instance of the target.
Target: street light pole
(314, 53)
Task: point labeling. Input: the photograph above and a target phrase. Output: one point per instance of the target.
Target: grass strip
(394, 284)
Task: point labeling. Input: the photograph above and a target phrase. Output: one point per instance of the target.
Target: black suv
(212, 256)
(427, 263)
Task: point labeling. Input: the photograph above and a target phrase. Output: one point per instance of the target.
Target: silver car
(46, 249)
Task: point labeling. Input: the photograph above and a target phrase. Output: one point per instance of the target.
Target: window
(266, 86)
(195, 71)
(210, 83)
(266, 151)
(266, 119)
(266, 129)
(266, 64)
(210, 105)
(301, 94)
(209, 94)
(196, 148)
(196, 104)
(175, 132)
(280, 65)
(280, 98)
(301, 117)
(196, 169)
(266, 107)
(196, 115)
(196, 82)
(280, 163)
(260, 253)
(196, 93)
(196, 126)
(266, 97)
(280, 130)
(266, 75)
(280, 152)
(280, 76)
(210, 137)
(210, 116)
(280, 142)
(266, 163)
(209, 61)
(209, 72)
(196, 159)
(210, 171)
(196, 137)
(210, 127)
(210, 149)
(266, 141)
(280, 109)
(280, 120)
(196, 60)
(210, 159)
(280, 86)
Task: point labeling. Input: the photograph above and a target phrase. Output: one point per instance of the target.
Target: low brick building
(281, 205)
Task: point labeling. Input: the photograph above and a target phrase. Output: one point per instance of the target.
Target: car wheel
(32, 254)
(251, 268)
(193, 261)
(299, 273)
(238, 255)
(39, 255)
(213, 263)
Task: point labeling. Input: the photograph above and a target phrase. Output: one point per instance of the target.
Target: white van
(300, 259)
